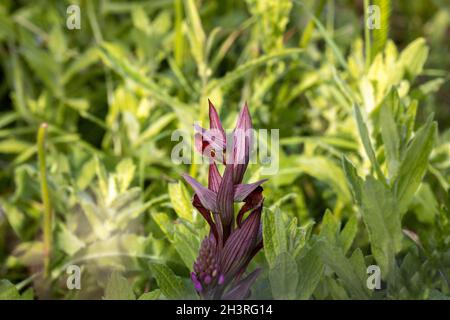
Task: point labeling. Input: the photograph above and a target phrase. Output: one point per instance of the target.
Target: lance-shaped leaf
(206, 196)
(414, 164)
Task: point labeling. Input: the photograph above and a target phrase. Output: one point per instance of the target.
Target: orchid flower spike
(233, 241)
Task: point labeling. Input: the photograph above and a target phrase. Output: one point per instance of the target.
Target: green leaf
(68, 241)
(284, 277)
(165, 223)
(389, 133)
(194, 20)
(8, 291)
(152, 295)
(413, 57)
(334, 257)
(114, 57)
(310, 271)
(154, 129)
(348, 233)
(365, 138)
(170, 285)
(118, 288)
(383, 223)
(330, 226)
(243, 69)
(380, 34)
(13, 146)
(353, 179)
(328, 39)
(125, 173)
(187, 245)
(414, 164)
(180, 200)
(359, 264)
(15, 217)
(274, 235)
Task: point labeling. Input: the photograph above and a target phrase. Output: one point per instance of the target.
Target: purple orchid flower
(232, 242)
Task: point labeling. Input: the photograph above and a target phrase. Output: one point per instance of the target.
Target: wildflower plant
(232, 242)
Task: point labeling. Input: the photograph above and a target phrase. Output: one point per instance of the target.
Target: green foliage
(118, 288)
(170, 285)
(364, 170)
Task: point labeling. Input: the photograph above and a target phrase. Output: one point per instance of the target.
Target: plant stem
(47, 227)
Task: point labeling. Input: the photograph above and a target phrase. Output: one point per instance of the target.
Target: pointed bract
(241, 290)
(206, 196)
(214, 120)
(242, 143)
(241, 191)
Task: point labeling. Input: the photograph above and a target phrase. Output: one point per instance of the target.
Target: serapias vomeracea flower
(233, 241)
